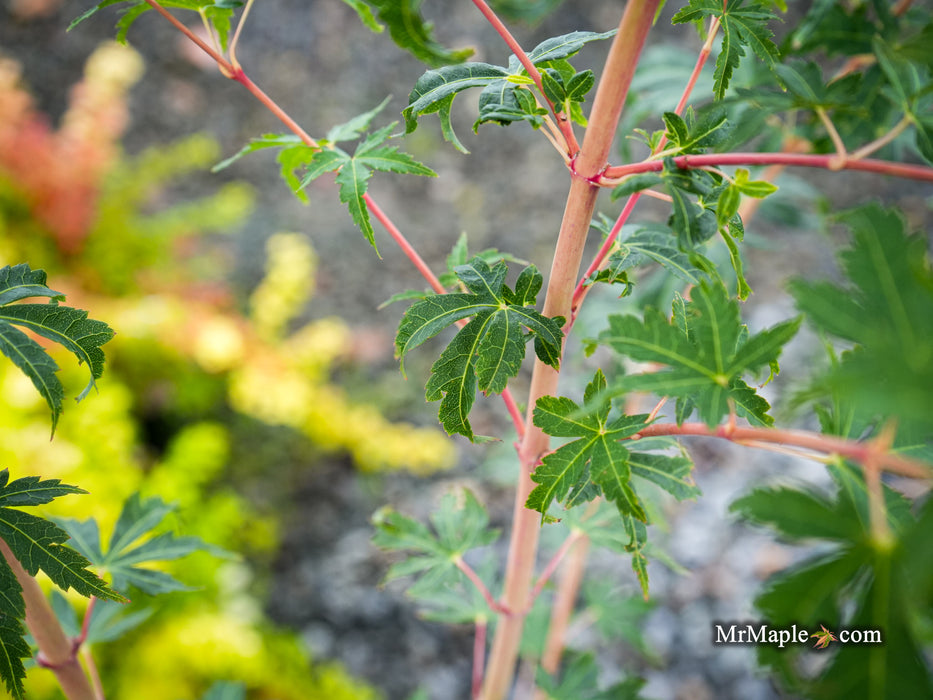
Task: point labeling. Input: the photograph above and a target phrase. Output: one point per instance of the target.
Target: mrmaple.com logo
(764, 633)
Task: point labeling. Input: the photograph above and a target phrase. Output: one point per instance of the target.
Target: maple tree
(872, 400)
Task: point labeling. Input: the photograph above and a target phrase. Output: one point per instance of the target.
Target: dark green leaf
(436, 88)
(70, 328)
(13, 649)
(596, 457)
(410, 31)
(744, 24)
(705, 359)
(565, 46)
(653, 243)
(670, 473)
(489, 350)
(21, 282)
(886, 310)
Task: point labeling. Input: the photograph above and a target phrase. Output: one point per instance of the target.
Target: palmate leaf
(886, 310)
(596, 463)
(705, 350)
(37, 544)
(217, 12)
(744, 24)
(504, 98)
(490, 348)
(460, 524)
(67, 326)
(293, 154)
(855, 584)
(131, 544)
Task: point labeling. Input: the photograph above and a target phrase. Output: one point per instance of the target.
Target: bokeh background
(252, 380)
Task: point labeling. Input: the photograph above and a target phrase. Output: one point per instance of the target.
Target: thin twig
(842, 155)
(804, 160)
(236, 35)
(468, 570)
(884, 140)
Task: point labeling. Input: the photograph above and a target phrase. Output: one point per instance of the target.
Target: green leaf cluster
(490, 348)
(460, 525)
(37, 544)
(856, 581)
(706, 351)
(885, 80)
(353, 171)
(506, 95)
(885, 311)
(744, 25)
(67, 326)
(217, 12)
(597, 464)
(704, 203)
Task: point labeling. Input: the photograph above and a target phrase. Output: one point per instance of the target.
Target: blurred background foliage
(196, 378)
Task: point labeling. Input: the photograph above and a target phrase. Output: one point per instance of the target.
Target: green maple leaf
(490, 348)
(353, 172)
(461, 523)
(301, 164)
(132, 544)
(69, 327)
(744, 24)
(886, 311)
(37, 544)
(853, 581)
(706, 350)
(505, 97)
(596, 463)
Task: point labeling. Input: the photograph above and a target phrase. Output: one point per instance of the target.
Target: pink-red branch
(582, 287)
(867, 452)
(803, 160)
(493, 604)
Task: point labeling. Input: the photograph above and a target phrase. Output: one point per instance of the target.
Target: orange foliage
(58, 172)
